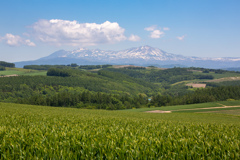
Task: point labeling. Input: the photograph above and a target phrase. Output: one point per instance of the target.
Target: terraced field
(38, 132)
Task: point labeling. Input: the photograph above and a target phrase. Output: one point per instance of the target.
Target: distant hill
(143, 56)
(233, 69)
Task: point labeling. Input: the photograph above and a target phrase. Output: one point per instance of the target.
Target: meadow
(41, 132)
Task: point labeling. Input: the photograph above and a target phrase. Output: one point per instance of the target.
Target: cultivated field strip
(35, 132)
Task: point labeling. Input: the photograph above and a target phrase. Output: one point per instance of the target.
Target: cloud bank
(64, 32)
(15, 40)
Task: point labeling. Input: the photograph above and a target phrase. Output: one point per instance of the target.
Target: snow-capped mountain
(143, 55)
(144, 52)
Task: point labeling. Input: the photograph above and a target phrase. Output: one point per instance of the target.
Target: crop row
(34, 132)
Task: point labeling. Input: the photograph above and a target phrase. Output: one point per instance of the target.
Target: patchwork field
(224, 79)
(222, 75)
(40, 132)
(217, 78)
(21, 71)
(196, 85)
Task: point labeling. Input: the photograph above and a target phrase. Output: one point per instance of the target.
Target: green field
(215, 75)
(207, 110)
(41, 132)
(177, 107)
(186, 108)
(229, 112)
(21, 71)
(222, 75)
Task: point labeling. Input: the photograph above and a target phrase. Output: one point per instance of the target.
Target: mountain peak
(79, 50)
(146, 47)
(142, 55)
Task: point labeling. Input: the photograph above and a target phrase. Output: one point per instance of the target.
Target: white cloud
(181, 38)
(166, 28)
(15, 40)
(64, 32)
(134, 38)
(151, 28)
(154, 32)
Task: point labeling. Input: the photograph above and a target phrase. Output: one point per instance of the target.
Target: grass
(21, 71)
(178, 107)
(207, 110)
(40, 132)
(229, 112)
(192, 108)
(230, 103)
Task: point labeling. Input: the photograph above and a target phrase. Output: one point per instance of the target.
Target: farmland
(21, 71)
(41, 132)
(83, 121)
(201, 107)
(113, 87)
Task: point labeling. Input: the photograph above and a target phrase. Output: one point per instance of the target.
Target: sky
(31, 29)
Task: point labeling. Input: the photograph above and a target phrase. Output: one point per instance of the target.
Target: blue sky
(31, 29)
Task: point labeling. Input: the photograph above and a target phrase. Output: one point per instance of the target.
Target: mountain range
(143, 56)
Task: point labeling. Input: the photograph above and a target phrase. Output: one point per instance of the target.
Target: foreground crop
(28, 132)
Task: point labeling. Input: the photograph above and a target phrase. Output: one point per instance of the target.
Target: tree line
(7, 64)
(169, 76)
(4, 64)
(72, 65)
(86, 99)
(112, 88)
(199, 96)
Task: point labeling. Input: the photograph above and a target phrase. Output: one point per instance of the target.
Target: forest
(3, 65)
(114, 88)
(7, 64)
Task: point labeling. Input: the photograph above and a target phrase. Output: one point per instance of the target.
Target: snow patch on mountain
(145, 53)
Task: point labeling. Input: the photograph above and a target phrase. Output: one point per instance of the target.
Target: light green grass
(177, 107)
(236, 111)
(21, 71)
(230, 103)
(207, 110)
(182, 108)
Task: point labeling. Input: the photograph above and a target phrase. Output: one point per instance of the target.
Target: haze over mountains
(143, 56)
